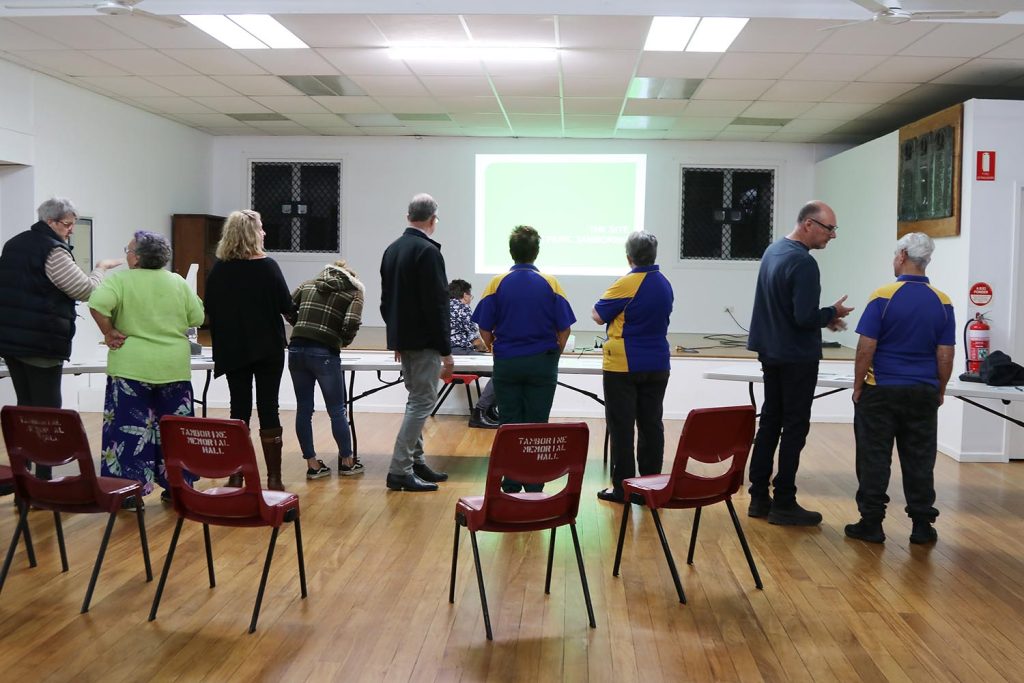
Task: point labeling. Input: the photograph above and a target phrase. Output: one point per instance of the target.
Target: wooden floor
(378, 563)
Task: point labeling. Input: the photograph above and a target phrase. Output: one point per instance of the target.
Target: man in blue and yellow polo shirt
(636, 309)
(525, 319)
(904, 360)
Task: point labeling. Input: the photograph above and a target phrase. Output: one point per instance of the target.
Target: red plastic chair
(53, 437)
(711, 436)
(450, 384)
(7, 488)
(532, 454)
(216, 449)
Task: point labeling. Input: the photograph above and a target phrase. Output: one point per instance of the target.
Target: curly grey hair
(919, 248)
(152, 250)
(55, 208)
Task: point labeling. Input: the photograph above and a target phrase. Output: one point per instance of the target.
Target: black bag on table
(999, 371)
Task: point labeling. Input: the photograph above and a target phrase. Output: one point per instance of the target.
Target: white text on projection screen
(583, 205)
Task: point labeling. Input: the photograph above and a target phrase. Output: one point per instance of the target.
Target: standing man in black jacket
(414, 304)
(785, 330)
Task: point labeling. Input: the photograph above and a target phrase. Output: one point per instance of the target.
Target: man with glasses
(39, 285)
(785, 331)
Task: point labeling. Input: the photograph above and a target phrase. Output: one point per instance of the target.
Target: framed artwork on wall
(81, 243)
(930, 153)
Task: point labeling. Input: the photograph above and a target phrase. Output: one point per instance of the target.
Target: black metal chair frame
(448, 389)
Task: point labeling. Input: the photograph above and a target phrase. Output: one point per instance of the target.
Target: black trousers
(785, 421)
(36, 386)
(909, 416)
(267, 374)
(635, 398)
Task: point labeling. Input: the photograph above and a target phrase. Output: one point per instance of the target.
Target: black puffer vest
(36, 318)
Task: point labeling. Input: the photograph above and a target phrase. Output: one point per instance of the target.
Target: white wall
(381, 174)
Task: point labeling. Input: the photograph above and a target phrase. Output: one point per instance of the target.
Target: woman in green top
(143, 314)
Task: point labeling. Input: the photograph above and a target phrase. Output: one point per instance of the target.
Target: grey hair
(55, 208)
(918, 246)
(422, 208)
(153, 251)
(642, 248)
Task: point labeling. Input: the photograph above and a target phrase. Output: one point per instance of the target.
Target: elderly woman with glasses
(39, 285)
(143, 314)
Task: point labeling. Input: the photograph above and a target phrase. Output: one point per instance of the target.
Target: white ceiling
(783, 79)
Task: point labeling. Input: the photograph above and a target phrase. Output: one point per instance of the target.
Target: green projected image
(583, 205)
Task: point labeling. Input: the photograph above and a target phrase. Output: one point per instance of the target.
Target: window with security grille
(299, 203)
(727, 213)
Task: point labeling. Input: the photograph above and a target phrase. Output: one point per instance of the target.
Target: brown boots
(272, 443)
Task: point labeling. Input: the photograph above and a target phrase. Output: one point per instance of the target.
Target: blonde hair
(240, 238)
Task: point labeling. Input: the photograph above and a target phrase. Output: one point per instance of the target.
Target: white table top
(384, 361)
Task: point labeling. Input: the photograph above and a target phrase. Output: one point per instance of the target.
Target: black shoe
(611, 496)
(793, 515)
(866, 531)
(165, 496)
(423, 471)
(131, 502)
(492, 414)
(408, 482)
(923, 533)
(479, 420)
(760, 506)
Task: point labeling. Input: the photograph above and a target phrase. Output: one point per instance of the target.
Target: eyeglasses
(67, 224)
(129, 251)
(831, 228)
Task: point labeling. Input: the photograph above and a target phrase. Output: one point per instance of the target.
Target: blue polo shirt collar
(645, 269)
(912, 278)
(524, 266)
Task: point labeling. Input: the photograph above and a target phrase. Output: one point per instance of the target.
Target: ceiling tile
(428, 29)
(173, 105)
(637, 107)
(731, 89)
(877, 93)
(745, 133)
(411, 105)
(320, 120)
(716, 107)
(818, 67)
(233, 105)
(16, 37)
(161, 36)
(901, 69)
(193, 86)
(575, 86)
(780, 35)
(711, 124)
(81, 33)
(677, 64)
(532, 105)
(984, 72)
(349, 104)
(333, 30)
(784, 136)
(592, 105)
(777, 110)
(801, 91)
(291, 62)
(129, 86)
(457, 85)
(280, 127)
(610, 33)
(685, 134)
(811, 125)
(872, 38)
(258, 85)
(143, 62)
(470, 105)
(963, 40)
(291, 105)
(542, 86)
(517, 30)
(1011, 50)
(212, 120)
(599, 63)
(535, 122)
(591, 123)
(837, 110)
(364, 62)
(449, 67)
(487, 120)
(222, 62)
(755, 65)
(391, 86)
(935, 95)
(69, 62)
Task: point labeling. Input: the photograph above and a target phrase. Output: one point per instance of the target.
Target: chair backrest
(712, 436)
(53, 437)
(214, 449)
(536, 454)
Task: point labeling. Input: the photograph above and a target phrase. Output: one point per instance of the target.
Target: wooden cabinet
(194, 238)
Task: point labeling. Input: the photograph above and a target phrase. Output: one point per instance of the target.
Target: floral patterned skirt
(131, 428)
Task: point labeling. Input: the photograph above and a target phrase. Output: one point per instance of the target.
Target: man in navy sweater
(785, 331)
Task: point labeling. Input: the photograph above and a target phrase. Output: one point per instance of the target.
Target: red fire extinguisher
(979, 336)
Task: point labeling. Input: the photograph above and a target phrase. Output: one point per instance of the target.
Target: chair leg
(693, 535)
(60, 541)
(263, 581)
(743, 542)
(99, 562)
(301, 557)
(29, 548)
(622, 537)
(444, 394)
(455, 559)
(583, 575)
(668, 556)
(551, 558)
(480, 582)
(166, 569)
(469, 396)
(209, 555)
(22, 522)
(140, 516)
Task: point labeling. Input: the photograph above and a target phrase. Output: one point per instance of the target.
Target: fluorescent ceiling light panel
(268, 30)
(715, 34)
(225, 30)
(663, 88)
(440, 53)
(670, 34)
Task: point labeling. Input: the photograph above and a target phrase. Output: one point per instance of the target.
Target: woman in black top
(246, 295)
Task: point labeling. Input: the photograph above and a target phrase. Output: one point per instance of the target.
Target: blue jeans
(309, 365)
